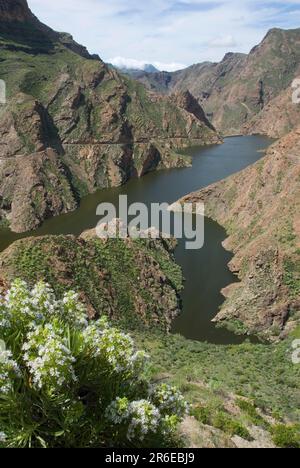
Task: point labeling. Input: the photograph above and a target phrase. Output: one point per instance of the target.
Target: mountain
(241, 87)
(149, 68)
(72, 125)
(260, 209)
(136, 72)
(260, 206)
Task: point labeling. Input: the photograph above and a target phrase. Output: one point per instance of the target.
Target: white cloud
(122, 62)
(167, 31)
(223, 41)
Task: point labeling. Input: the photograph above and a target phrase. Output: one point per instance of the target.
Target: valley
(220, 323)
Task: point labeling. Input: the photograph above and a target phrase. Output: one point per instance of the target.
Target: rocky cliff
(260, 209)
(72, 125)
(243, 93)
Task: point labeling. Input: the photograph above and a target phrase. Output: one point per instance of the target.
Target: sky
(170, 34)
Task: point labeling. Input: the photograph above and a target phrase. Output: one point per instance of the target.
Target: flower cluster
(18, 305)
(115, 348)
(118, 411)
(23, 309)
(145, 419)
(73, 312)
(5, 316)
(141, 417)
(75, 375)
(169, 400)
(48, 358)
(43, 302)
(9, 371)
(163, 411)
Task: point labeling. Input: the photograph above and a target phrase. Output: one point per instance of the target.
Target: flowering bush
(65, 382)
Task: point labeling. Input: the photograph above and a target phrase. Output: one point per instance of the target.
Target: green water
(206, 271)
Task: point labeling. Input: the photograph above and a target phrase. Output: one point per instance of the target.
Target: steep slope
(133, 282)
(277, 118)
(240, 87)
(260, 207)
(100, 128)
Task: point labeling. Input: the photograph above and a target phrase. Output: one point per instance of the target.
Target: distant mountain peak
(149, 68)
(31, 35)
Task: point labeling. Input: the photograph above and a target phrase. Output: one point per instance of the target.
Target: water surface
(206, 271)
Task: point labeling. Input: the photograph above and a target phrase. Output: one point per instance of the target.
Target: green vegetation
(112, 277)
(264, 374)
(67, 383)
(234, 325)
(286, 436)
(230, 426)
(221, 420)
(249, 408)
(292, 276)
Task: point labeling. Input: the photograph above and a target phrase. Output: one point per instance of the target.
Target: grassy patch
(264, 374)
(286, 436)
(292, 276)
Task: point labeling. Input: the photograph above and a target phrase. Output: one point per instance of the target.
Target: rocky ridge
(99, 127)
(260, 209)
(136, 283)
(243, 93)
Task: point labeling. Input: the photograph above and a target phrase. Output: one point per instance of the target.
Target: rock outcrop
(100, 127)
(260, 207)
(133, 282)
(243, 93)
(15, 11)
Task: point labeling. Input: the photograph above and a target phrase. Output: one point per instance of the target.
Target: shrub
(202, 414)
(248, 408)
(65, 382)
(230, 426)
(286, 436)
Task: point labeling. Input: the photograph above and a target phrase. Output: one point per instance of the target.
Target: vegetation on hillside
(135, 282)
(232, 388)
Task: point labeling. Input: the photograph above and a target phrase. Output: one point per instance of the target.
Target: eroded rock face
(260, 207)
(33, 189)
(15, 10)
(243, 93)
(103, 128)
(278, 117)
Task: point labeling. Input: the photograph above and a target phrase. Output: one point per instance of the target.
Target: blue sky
(170, 34)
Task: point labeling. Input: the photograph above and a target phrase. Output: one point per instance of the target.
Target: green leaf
(2, 346)
(42, 442)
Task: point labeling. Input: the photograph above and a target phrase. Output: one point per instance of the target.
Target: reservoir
(206, 271)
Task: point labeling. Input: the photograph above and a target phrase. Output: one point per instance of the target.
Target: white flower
(9, 370)
(48, 358)
(145, 419)
(169, 400)
(142, 417)
(72, 311)
(115, 348)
